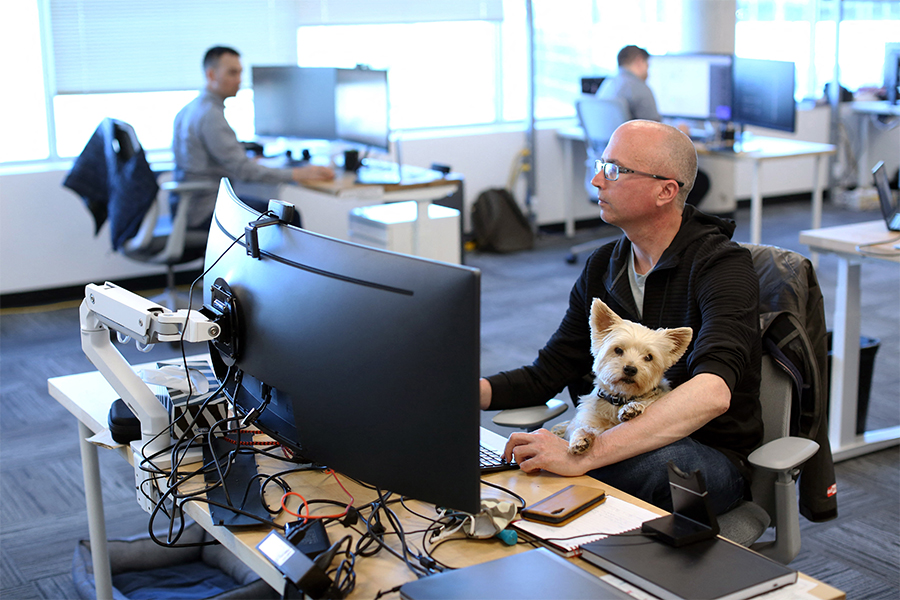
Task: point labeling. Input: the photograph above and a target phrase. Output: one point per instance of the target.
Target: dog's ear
(602, 320)
(679, 338)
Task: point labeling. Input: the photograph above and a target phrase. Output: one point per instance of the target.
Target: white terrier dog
(629, 363)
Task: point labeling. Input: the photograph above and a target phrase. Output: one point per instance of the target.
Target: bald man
(673, 267)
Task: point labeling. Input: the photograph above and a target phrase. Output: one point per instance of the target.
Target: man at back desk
(674, 267)
(630, 84)
(207, 149)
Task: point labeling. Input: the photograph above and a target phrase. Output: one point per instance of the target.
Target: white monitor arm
(109, 307)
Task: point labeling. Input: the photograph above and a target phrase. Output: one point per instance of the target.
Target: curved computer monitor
(370, 359)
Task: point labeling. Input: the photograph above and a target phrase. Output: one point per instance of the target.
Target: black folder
(713, 569)
(533, 575)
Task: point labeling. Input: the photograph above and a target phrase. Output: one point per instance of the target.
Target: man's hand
(544, 450)
(312, 173)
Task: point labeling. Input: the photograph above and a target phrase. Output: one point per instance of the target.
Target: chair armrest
(188, 186)
(783, 454)
(530, 417)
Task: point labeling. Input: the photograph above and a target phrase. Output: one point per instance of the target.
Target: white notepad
(612, 516)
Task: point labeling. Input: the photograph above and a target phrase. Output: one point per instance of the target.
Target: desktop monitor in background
(891, 71)
(294, 102)
(763, 92)
(590, 85)
(692, 86)
(361, 107)
(370, 358)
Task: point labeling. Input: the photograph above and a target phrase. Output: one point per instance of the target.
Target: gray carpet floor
(42, 512)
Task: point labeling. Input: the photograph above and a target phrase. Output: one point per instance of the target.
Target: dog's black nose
(629, 370)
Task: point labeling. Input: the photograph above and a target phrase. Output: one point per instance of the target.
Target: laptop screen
(888, 209)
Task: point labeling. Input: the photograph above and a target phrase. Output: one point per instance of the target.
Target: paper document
(612, 516)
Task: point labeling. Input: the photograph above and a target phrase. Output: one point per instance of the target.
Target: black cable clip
(278, 213)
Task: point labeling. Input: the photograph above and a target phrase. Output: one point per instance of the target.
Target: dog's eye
(649, 358)
(618, 351)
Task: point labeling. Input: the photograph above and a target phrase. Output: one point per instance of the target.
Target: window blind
(104, 46)
(142, 45)
(357, 12)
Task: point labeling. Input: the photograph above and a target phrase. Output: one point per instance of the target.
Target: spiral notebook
(613, 516)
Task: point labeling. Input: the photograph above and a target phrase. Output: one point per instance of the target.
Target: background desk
(325, 206)
(759, 149)
(865, 112)
(88, 397)
(844, 242)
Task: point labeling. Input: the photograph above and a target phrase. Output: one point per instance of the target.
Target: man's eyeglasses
(611, 172)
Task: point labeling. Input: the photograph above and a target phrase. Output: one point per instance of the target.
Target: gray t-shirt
(636, 94)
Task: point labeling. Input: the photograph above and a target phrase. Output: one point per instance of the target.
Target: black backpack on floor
(498, 223)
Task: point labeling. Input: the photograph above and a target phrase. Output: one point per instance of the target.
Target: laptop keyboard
(492, 461)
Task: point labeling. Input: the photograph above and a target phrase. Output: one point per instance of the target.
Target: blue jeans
(647, 477)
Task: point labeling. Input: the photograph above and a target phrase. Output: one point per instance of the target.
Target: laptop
(535, 574)
(890, 210)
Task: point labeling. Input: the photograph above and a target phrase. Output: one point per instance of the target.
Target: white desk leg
(845, 443)
(863, 173)
(845, 357)
(817, 203)
(817, 193)
(755, 205)
(568, 196)
(93, 494)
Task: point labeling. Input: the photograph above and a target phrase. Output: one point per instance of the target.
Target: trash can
(868, 347)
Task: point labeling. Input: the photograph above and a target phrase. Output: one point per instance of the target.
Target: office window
(804, 32)
(580, 38)
(23, 109)
(440, 74)
(150, 113)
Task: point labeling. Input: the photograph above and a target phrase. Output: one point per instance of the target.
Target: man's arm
(673, 417)
(223, 146)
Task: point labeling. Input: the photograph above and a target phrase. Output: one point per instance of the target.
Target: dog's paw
(580, 443)
(560, 429)
(630, 411)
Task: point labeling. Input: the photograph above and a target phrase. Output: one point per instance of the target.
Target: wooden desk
(88, 397)
(756, 150)
(760, 149)
(844, 241)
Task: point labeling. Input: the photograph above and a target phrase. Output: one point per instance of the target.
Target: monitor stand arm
(108, 307)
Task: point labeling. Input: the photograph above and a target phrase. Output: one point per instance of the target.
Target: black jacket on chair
(114, 179)
(792, 321)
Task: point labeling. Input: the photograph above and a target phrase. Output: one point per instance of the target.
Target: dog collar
(618, 400)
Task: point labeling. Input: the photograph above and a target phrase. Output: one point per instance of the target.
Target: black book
(532, 575)
(713, 569)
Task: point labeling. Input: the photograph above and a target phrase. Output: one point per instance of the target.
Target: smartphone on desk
(564, 505)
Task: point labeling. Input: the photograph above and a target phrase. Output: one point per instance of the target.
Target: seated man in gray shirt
(206, 147)
(629, 84)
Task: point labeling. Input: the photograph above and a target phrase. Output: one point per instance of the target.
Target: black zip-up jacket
(703, 281)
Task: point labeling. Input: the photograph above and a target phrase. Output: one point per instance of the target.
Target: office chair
(530, 418)
(793, 398)
(599, 118)
(114, 179)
